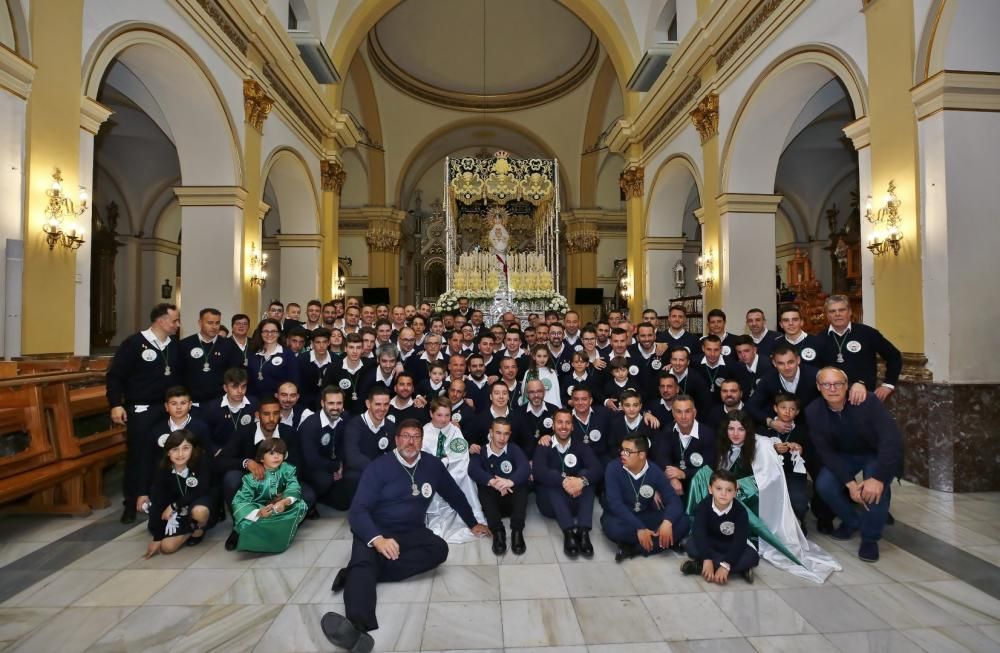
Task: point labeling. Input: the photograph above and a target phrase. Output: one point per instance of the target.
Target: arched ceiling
(532, 51)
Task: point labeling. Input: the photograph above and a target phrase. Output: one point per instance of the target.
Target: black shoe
(499, 542)
(195, 540)
(626, 551)
(339, 581)
(691, 567)
(517, 544)
(232, 541)
(313, 513)
(868, 551)
(128, 514)
(748, 576)
(344, 634)
(569, 543)
(583, 542)
(843, 532)
(825, 527)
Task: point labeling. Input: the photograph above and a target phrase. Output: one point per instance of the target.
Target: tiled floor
(102, 596)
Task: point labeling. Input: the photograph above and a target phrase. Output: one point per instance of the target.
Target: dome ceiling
(535, 51)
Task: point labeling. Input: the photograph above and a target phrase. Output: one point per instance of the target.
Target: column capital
(583, 240)
(332, 175)
(705, 117)
(256, 104)
(859, 132)
(957, 90)
(747, 203)
(384, 233)
(312, 241)
(632, 181)
(211, 196)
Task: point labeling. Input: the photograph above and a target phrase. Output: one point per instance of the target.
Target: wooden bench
(71, 440)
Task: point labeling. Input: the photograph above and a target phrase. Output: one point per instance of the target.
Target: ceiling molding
(491, 102)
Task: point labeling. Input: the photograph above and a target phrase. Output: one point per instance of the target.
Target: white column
(959, 133)
(212, 240)
(859, 133)
(660, 254)
(301, 256)
(745, 266)
(17, 75)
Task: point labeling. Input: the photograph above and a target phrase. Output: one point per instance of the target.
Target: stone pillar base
(949, 436)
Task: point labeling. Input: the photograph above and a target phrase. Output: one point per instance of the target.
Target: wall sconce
(60, 208)
(886, 234)
(258, 266)
(338, 288)
(706, 270)
(625, 289)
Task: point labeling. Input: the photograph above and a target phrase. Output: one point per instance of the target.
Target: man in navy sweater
(852, 438)
(855, 348)
(565, 475)
(391, 542)
(501, 472)
(632, 517)
(321, 438)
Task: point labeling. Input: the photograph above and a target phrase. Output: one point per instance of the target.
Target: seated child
(789, 446)
(180, 496)
(718, 544)
(633, 517)
(267, 512)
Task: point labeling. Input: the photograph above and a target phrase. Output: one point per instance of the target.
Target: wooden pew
(71, 440)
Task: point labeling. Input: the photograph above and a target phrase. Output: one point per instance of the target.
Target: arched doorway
(671, 234)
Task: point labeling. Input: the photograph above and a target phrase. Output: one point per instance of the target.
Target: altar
(502, 235)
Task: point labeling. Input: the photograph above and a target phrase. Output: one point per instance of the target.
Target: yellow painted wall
(891, 48)
(251, 211)
(53, 140)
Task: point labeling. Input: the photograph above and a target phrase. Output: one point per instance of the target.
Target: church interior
(591, 157)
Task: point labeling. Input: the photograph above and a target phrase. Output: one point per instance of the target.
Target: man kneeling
(635, 518)
(391, 542)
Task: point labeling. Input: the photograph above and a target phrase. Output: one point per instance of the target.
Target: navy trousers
(871, 521)
(621, 532)
(419, 551)
(569, 512)
(748, 559)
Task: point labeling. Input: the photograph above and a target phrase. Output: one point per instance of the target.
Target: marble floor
(72, 585)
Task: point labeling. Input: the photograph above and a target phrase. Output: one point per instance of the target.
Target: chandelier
(61, 226)
(886, 234)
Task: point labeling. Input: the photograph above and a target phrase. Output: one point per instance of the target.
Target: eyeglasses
(832, 385)
(417, 436)
(629, 452)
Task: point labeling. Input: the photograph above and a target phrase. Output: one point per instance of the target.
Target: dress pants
(140, 441)
(871, 521)
(419, 551)
(496, 507)
(749, 558)
(336, 494)
(621, 532)
(568, 512)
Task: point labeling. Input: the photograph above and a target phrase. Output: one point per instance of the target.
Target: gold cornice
(671, 114)
(746, 30)
(461, 101)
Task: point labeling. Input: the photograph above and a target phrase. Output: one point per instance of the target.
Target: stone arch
(589, 166)
(360, 76)
(208, 149)
(14, 29)
(669, 193)
(298, 204)
(760, 126)
(622, 48)
(976, 50)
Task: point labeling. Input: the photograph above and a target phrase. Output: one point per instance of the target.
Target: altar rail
(56, 436)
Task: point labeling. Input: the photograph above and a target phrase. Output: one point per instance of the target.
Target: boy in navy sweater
(718, 544)
(501, 472)
(632, 517)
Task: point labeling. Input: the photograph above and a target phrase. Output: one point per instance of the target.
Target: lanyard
(635, 490)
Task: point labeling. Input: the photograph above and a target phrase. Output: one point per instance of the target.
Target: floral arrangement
(559, 304)
(447, 301)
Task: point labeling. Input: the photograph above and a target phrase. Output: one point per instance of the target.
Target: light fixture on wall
(338, 288)
(886, 233)
(625, 289)
(706, 270)
(61, 226)
(258, 266)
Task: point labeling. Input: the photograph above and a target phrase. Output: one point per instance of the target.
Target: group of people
(430, 429)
